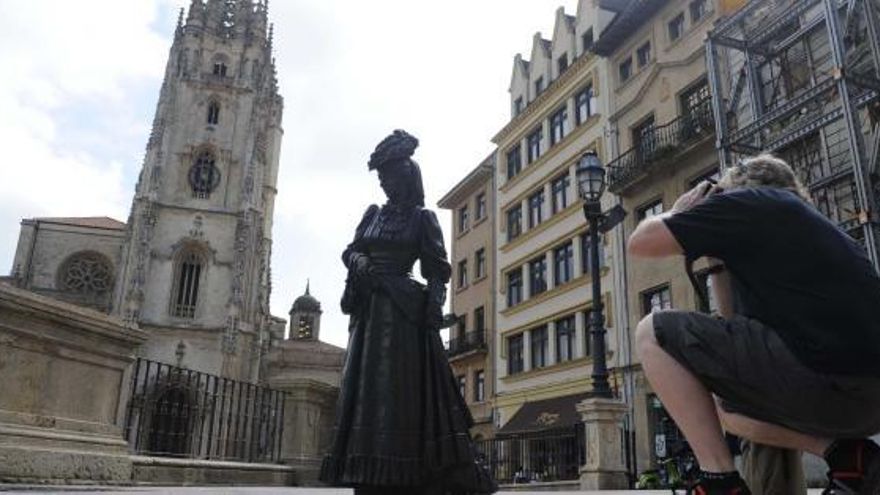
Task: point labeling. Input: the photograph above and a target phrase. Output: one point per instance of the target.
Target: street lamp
(591, 185)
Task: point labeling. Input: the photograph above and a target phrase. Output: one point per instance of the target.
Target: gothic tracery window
(204, 176)
(86, 273)
(187, 281)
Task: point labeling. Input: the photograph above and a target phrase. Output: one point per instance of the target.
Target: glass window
(462, 385)
(565, 339)
(562, 64)
(559, 188)
(656, 300)
(538, 275)
(539, 347)
(514, 287)
(587, 40)
(584, 104)
(558, 125)
(536, 206)
(625, 70)
(534, 141)
(463, 222)
(539, 85)
(515, 354)
(714, 174)
(563, 264)
(213, 113)
(518, 106)
(651, 209)
(644, 138)
(481, 206)
(480, 319)
(480, 264)
(643, 54)
(676, 27)
(479, 386)
(705, 282)
(587, 253)
(514, 222)
(514, 162)
(461, 326)
(462, 274)
(698, 10)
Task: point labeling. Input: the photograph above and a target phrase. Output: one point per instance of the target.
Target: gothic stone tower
(195, 267)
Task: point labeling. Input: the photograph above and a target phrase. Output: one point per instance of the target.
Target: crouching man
(797, 365)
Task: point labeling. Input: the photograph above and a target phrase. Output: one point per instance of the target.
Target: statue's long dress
(400, 420)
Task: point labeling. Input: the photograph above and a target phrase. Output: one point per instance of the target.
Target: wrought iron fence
(660, 142)
(177, 412)
(468, 342)
(549, 455)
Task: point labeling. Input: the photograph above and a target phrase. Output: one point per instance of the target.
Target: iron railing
(660, 142)
(548, 455)
(177, 412)
(470, 341)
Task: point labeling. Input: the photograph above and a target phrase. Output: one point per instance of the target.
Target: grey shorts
(746, 364)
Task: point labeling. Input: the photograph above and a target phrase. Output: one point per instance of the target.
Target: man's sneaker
(705, 488)
(862, 477)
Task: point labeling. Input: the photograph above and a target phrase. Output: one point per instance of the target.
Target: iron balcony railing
(470, 341)
(177, 412)
(659, 143)
(549, 455)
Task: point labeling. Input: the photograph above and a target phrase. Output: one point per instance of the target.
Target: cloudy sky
(80, 80)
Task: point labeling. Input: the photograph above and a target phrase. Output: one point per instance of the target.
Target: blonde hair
(764, 170)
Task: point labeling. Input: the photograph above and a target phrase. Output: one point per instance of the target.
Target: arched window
(204, 176)
(213, 113)
(187, 281)
(86, 272)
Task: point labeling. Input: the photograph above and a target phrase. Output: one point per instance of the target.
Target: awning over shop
(548, 414)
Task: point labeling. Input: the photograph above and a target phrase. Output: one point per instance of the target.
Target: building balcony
(659, 145)
(469, 342)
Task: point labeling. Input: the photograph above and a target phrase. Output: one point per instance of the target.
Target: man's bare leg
(689, 403)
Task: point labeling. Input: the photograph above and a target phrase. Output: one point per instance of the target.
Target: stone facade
(62, 392)
(472, 340)
(195, 265)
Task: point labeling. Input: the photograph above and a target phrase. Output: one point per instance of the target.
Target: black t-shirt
(793, 270)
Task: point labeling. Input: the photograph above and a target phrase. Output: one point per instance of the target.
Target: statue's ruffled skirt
(400, 420)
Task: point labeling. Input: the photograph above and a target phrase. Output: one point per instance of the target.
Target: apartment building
(471, 346)
(544, 299)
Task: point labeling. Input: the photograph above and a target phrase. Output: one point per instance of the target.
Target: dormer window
(539, 86)
(587, 40)
(562, 64)
(518, 106)
(213, 113)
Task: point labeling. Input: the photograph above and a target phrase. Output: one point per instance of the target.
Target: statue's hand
(362, 266)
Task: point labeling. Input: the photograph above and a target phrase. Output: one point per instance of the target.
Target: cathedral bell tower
(195, 264)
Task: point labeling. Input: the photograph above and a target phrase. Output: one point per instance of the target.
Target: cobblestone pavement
(69, 490)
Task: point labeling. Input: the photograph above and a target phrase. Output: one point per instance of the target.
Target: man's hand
(693, 197)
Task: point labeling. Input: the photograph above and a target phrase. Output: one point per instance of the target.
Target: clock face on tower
(204, 176)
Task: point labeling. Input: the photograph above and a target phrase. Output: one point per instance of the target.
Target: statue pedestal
(605, 468)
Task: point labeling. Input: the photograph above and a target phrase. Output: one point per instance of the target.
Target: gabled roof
(91, 222)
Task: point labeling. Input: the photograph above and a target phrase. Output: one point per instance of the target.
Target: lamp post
(591, 185)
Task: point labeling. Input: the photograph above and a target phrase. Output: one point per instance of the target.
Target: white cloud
(80, 81)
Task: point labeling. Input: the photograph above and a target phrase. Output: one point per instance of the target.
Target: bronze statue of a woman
(401, 424)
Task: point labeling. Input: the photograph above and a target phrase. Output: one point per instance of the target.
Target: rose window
(87, 273)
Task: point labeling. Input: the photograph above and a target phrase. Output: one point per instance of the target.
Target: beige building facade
(471, 347)
(544, 298)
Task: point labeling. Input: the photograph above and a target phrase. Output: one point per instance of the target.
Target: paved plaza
(67, 490)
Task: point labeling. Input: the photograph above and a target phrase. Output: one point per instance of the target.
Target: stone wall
(62, 378)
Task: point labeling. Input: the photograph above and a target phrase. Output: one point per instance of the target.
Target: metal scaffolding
(801, 79)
